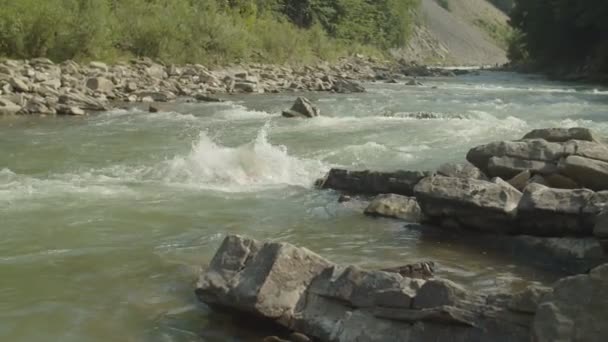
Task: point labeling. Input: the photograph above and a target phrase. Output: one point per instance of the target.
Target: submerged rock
(420, 270)
(304, 292)
(395, 206)
(373, 183)
(481, 205)
(302, 108)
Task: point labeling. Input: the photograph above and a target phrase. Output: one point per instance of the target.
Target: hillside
(458, 32)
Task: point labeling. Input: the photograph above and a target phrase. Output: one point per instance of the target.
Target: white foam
(248, 167)
(238, 112)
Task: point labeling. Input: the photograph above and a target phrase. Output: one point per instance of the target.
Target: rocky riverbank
(39, 86)
(543, 197)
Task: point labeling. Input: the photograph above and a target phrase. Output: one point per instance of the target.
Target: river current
(106, 220)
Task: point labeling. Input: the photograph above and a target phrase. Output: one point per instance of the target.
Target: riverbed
(107, 219)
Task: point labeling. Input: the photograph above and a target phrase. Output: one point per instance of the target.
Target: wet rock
(576, 310)
(395, 206)
(207, 98)
(373, 183)
(157, 96)
(153, 109)
(477, 204)
(420, 270)
(575, 253)
(303, 292)
(587, 172)
(563, 134)
(345, 86)
(297, 337)
(545, 211)
(8, 108)
(464, 170)
(100, 84)
(302, 108)
(70, 110)
(246, 87)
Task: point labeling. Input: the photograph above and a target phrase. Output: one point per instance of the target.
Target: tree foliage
(561, 32)
(201, 30)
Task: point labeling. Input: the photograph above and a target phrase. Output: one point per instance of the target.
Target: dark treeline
(218, 31)
(571, 35)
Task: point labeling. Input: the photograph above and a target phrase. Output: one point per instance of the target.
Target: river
(106, 220)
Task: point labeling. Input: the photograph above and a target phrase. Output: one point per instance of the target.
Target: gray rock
(545, 211)
(395, 206)
(508, 167)
(477, 204)
(587, 149)
(302, 108)
(70, 110)
(19, 85)
(565, 249)
(344, 86)
(576, 310)
(207, 98)
(587, 172)
(373, 183)
(529, 299)
(563, 134)
(82, 101)
(560, 182)
(464, 170)
(99, 66)
(306, 293)
(600, 229)
(297, 337)
(7, 107)
(100, 84)
(521, 180)
(157, 96)
(246, 87)
(419, 270)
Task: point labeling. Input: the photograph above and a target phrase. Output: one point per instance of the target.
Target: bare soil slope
(466, 33)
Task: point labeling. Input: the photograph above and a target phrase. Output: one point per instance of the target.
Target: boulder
(302, 108)
(576, 310)
(464, 170)
(99, 66)
(600, 229)
(507, 167)
(344, 86)
(19, 85)
(587, 172)
(157, 96)
(476, 204)
(82, 101)
(373, 183)
(70, 110)
(7, 107)
(587, 149)
(100, 84)
(395, 206)
(521, 180)
(246, 87)
(562, 134)
(545, 211)
(568, 253)
(560, 181)
(528, 300)
(207, 98)
(303, 292)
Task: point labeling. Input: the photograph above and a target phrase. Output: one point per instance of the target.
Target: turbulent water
(106, 220)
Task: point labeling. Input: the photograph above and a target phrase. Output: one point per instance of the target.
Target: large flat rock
(373, 183)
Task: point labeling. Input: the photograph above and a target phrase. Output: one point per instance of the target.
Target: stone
(7, 107)
(82, 101)
(156, 71)
(536, 149)
(562, 134)
(521, 180)
(465, 170)
(395, 206)
(600, 230)
(587, 172)
(131, 87)
(507, 167)
(153, 109)
(476, 204)
(560, 182)
(545, 211)
(246, 87)
(99, 66)
(576, 310)
(207, 98)
(298, 337)
(303, 292)
(419, 270)
(373, 183)
(19, 85)
(100, 84)
(344, 86)
(70, 110)
(157, 96)
(588, 149)
(528, 300)
(302, 108)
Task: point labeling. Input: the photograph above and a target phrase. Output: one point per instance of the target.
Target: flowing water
(106, 220)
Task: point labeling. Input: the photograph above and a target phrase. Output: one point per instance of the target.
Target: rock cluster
(304, 292)
(320, 300)
(39, 86)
